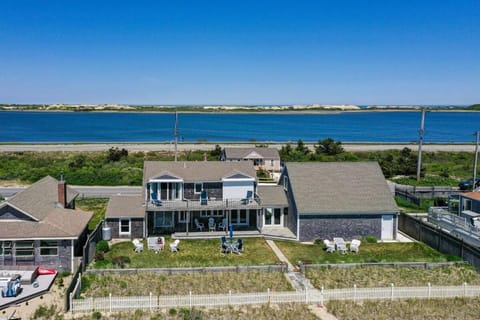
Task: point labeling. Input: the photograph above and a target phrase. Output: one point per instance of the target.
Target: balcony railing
(210, 204)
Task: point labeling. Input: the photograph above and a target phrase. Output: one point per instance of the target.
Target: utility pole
(475, 163)
(175, 133)
(420, 143)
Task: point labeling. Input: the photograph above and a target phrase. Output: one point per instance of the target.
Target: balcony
(210, 204)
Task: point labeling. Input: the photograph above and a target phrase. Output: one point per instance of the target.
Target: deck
(277, 233)
(211, 204)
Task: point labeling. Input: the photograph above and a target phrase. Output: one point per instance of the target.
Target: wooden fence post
(150, 302)
(268, 295)
(110, 301)
(190, 300)
(429, 290)
(354, 293)
(391, 295)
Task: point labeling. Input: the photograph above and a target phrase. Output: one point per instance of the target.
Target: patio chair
(155, 200)
(211, 224)
(329, 247)
(223, 225)
(199, 225)
(224, 247)
(238, 246)
(137, 245)
(174, 246)
(354, 245)
(203, 198)
(248, 198)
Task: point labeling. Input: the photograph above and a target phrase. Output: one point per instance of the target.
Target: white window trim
(182, 216)
(285, 183)
(120, 226)
(195, 187)
(49, 247)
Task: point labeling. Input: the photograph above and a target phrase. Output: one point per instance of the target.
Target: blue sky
(240, 52)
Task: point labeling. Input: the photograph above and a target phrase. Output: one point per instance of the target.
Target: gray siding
(60, 262)
(348, 227)
(8, 212)
(136, 228)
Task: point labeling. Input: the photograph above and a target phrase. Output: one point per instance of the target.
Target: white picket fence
(151, 302)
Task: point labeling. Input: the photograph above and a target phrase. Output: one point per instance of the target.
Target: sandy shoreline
(145, 147)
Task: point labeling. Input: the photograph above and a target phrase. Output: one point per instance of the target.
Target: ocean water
(365, 126)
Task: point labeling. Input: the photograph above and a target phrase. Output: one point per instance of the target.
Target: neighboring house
(339, 199)
(40, 226)
(125, 216)
(262, 158)
(469, 207)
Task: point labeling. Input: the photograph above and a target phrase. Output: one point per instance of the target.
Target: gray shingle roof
(272, 195)
(240, 153)
(340, 187)
(40, 201)
(41, 197)
(125, 207)
(191, 171)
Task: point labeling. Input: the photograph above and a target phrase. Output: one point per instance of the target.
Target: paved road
(88, 192)
(210, 146)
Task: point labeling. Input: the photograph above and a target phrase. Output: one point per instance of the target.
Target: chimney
(62, 192)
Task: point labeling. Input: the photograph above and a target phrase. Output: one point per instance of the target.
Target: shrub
(121, 261)
(100, 256)
(102, 246)
(96, 315)
(370, 239)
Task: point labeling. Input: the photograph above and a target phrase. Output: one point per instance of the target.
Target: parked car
(467, 184)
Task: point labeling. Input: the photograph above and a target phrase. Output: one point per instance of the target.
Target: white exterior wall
(237, 189)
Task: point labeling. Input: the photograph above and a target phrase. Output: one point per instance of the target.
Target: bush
(121, 261)
(99, 256)
(370, 239)
(102, 246)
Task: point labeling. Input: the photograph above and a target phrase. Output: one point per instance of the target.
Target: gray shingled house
(265, 158)
(339, 199)
(41, 227)
(125, 216)
(183, 197)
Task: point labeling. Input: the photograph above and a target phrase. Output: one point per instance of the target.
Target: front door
(273, 217)
(387, 227)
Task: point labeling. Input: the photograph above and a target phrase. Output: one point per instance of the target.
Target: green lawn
(369, 252)
(193, 253)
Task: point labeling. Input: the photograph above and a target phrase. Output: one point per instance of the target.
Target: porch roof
(272, 195)
(124, 206)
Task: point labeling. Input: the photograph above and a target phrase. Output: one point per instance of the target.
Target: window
(163, 219)
(208, 213)
(182, 216)
(24, 248)
(198, 187)
(467, 204)
(6, 248)
(285, 183)
(48, 247)
(124, 226)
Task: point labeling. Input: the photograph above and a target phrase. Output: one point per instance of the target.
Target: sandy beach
(136, 147)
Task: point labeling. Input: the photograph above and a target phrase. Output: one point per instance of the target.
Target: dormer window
(285, 183)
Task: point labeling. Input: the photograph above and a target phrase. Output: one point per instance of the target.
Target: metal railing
(206, 204)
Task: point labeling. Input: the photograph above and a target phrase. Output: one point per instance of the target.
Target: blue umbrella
(230, 229)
